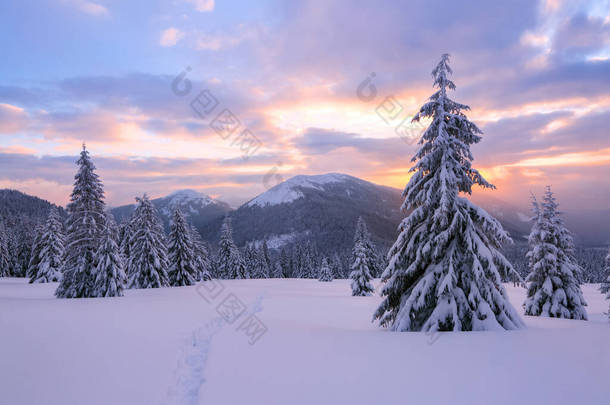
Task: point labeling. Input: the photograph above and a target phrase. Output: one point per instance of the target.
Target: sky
(230, 97)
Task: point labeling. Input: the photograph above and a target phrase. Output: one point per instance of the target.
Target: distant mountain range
(198, 208)
(320, 208)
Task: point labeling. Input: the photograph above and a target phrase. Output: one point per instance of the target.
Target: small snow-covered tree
(37, 246)
(85, 226)
(605, 286)
(257, 263)
(182, 263)
(147, 265)
(230, 262)
(110, 278)
(5, 257)
(325, 273)
(50, 256)
(444, 268)
(553, 289)
(361, 275)
(203, 261)
(363, 236)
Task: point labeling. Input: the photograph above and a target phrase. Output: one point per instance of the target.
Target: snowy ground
(320, 348)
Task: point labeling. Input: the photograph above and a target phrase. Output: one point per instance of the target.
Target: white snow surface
(289, 190)
(320, 348)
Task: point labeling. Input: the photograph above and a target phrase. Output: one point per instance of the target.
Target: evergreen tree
(110, 277)
(266, 257)
(183, 268)
(337, 266)
(444, 268)
(307, 269)
(605, 287)
(324, 273)
(361, 275)
(125, 234)
(363, 236)
(552, 287)
(85, 226)
(147, 265)
(203, 261)
(258, 263)
(230, 262)
(37, 245)
(278, 270)
(5, 257)
(50, 256)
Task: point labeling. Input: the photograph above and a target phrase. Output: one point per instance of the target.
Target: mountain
(198, 208)
(322, 208)
(20, 214)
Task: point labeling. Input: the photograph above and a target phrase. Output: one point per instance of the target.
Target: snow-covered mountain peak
(291, 189)
(189, 195)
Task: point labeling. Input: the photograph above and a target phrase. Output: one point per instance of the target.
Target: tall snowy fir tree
(552, 289)
(444, 268)
(325, 273)
(605, 286)
(5, 257)
(363, 236)
(182, 262)
(147, 265)
(361, 274)
(230, 262)
(85, 227)
(37, 246)
(50, 256)
(110, 278)
(203, 261)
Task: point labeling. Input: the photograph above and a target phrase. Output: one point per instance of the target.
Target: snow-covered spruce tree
(552, 287)
(147, 265)
(125, 233)
(51, 253)
(325, 273)
(85, 227)
(182, 263)
(5, 257)
(361, 275)
(307, 268)
(444, 268)
(203, 261)
(605, 286)
(34, 261)
(230, 263)
(258, 265)
(110, 278)
(362, 235)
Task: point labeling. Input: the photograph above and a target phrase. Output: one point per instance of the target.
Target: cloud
(203, 6)
(12, 119)
(170, 36)
(89, 7)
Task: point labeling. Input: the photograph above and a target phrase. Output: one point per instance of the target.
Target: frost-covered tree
(110, 278)
(444, 268)
(5, 256)
(125, 234)
(147, 265)
(34, 261)
(307, 268)
(361, 274)
(230, 262)
(363, 236)
(605, 286)
(553, 289)
(203, 261)
(257, 263)
(325, 273)
(85, 226)
(336, 265)
(182, 263)
(50, 257)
